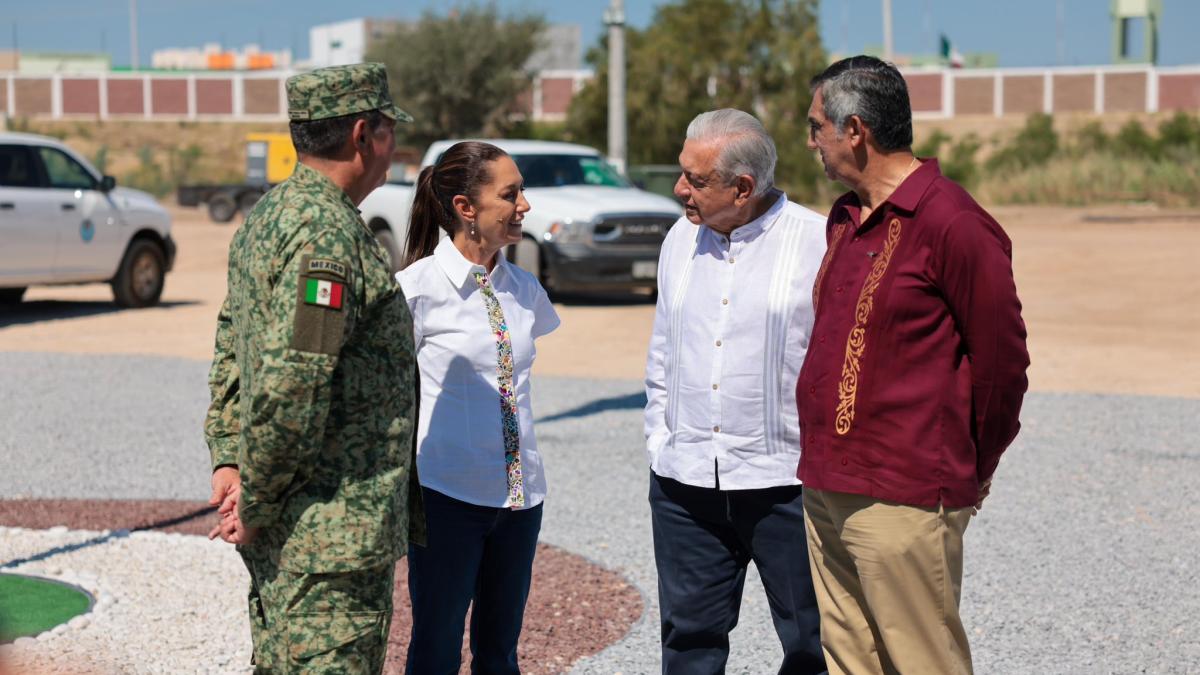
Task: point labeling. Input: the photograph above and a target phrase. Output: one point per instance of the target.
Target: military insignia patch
(333, 267)
(324, 293)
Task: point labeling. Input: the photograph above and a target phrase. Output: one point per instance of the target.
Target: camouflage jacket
(313, 382)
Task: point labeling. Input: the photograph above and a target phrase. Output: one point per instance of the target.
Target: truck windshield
(557, 170)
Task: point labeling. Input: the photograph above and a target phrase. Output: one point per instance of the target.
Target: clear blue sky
(1021, 32)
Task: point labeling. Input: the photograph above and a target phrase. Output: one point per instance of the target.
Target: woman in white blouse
(475, 316)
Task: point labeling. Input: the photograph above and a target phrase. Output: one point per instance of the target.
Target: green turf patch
(29, 605)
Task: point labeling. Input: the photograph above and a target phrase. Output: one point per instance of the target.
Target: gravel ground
(575, 608)
(124, 633)
(1079, 563)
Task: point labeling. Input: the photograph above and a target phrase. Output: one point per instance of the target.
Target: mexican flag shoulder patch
(324, 293)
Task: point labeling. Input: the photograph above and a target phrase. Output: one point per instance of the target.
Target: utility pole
(614, 18)
(133, 35)
(888, 52)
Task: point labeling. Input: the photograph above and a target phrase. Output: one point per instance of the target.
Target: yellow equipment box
(270, 158)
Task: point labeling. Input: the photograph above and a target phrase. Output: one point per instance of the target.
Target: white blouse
(460, 442)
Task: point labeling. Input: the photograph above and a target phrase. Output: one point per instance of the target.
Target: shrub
(959, 164)
(1094, 167)
(1098, 178)
(183, 163)
(932, 146)
(148, 175)
(1033, 145)
(100, 159)
(1179, 137)
(1091, 138)
(1133, 141)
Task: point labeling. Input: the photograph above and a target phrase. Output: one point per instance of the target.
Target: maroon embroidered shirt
(915, 372)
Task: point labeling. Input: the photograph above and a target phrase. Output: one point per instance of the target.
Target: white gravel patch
(165, 603)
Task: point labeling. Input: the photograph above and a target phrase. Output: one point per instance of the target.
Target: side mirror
(107, 184)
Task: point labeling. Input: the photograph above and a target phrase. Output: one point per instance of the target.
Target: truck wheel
(11, 296)
(388, 240)
(529, 257)
(247, 200)
(139, 281)
(222, 208)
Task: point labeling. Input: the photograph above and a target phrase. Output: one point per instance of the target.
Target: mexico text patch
(328, 266)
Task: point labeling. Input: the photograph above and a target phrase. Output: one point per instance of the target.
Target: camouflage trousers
(317, 623)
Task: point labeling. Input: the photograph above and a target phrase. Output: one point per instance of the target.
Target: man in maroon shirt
(912, 384)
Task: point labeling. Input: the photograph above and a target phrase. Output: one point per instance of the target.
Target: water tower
(1126, 17)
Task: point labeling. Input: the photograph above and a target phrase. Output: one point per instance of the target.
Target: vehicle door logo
(87, 230)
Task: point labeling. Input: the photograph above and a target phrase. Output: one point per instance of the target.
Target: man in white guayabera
(731, 329)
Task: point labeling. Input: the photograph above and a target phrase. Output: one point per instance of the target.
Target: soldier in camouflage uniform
(313, 391)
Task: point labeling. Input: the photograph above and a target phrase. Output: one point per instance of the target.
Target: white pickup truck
(62, 222)
(588, 228)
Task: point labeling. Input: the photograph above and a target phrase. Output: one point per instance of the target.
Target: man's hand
(233, 531)
(226, 495)
(226, 488)
(985, 488)
(240, 533)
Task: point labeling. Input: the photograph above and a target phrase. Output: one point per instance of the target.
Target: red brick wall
(32, 96)
(974, 96)
(1125, 92)
(1179, 92)
(556, 95)
(1023, 94)
(125, 97)
(169, 96)
(1074, 93)
(925, 92)
(214, 97)
(80, 96)
(260, 97)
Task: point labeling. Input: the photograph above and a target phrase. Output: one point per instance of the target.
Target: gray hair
(747, 148)
(872, 89)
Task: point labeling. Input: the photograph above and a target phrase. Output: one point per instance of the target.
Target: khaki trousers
(888, 578)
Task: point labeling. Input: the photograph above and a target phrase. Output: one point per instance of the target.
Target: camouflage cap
(341, 90)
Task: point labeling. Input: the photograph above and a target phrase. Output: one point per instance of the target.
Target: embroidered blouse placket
(508, 395)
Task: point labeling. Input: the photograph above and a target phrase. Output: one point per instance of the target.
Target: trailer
(270, 159)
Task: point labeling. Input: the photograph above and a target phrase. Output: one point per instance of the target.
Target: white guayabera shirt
(731, 329)
(460, 440)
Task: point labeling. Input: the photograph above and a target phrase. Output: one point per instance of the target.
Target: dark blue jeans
(703, 540)
(474, 554)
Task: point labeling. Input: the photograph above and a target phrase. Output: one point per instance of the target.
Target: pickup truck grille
(631, 230)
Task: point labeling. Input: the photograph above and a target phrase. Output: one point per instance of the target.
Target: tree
(460, 75)
(698, 55)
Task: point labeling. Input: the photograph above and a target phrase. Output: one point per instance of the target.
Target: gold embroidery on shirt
(838, 230)
(856, 343)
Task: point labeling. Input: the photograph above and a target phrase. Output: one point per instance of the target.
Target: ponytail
(426, 217)
(461, 170)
